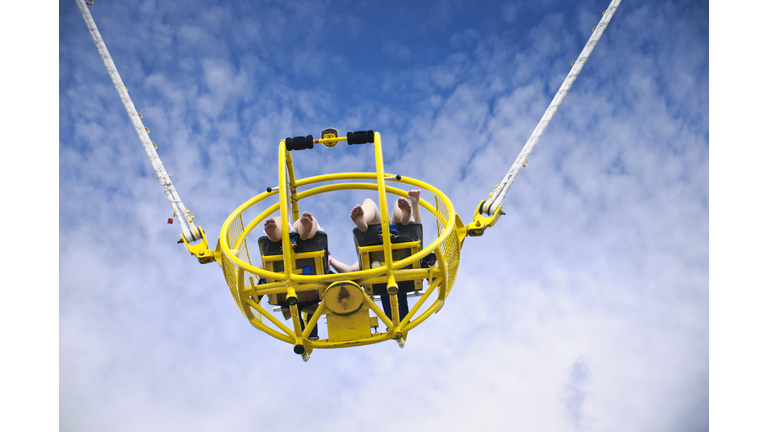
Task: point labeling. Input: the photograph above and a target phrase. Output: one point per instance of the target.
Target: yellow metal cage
(242, 275)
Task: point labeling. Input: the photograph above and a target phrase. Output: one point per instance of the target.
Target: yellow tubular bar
(279, 288)
(380, 337)
(287, 337)
(283, 191)
(408, 319)
(234, 257)
(394, 307)
(443, 292)
(401, 276)
(292, 185)
(313, 322)
(382, 189)
(330, 140)
(378, 311)
(296, 324)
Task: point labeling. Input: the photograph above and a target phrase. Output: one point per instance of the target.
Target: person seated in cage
(305, 227)
(366, 215)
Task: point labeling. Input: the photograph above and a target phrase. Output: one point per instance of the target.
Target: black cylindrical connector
(360, 137)
(299, 143)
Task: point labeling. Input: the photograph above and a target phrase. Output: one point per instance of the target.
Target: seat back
(311, 253)
(406, 240)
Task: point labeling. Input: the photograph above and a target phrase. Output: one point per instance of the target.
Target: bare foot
(358, 217)
(306, 223)
(414, 196)
(272, 229)
(405, 210)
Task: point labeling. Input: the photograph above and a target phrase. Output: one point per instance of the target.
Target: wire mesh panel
(251, 281)
(230, 274)
(450, 247)
(234, 232)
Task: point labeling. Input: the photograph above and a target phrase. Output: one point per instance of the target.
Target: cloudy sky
(585, 308)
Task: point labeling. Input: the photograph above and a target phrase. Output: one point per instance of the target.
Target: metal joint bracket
(200, 250)
(480, 222)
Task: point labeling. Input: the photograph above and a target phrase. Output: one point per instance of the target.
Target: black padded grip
(299, 143)
(360, 137)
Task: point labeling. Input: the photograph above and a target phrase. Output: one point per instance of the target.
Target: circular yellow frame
(242, 275)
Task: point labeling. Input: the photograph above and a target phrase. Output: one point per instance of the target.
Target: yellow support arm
(480, 222)
(200, 250)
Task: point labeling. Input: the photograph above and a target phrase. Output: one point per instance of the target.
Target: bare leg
(365, 214)
(272, 228)
(414, 196)
(402, 212)
(306, 226)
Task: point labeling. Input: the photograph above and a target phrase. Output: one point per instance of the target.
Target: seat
(310, 257)
(406, 240)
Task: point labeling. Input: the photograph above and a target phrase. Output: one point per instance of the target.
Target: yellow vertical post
(392, 287)
(383, 200)
(292, 186)
(284, 227)
(393, 301)
(287, 249)
(284, 159)
(298, 344)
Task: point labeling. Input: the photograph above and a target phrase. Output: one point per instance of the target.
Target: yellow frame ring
(296, 282)
(362, 276)
(323, 189)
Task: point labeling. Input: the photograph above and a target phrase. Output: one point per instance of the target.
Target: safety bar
(308, 142)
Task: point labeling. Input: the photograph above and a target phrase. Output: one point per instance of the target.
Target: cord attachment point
(480, 222)
(200, 250)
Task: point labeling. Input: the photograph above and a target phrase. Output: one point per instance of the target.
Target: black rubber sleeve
(299, 143)
(360, 137)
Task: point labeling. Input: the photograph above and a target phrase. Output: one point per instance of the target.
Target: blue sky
(585, 308)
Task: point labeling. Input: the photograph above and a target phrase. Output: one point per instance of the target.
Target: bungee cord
(500, 191)
(189, 231)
